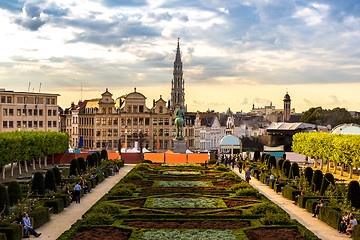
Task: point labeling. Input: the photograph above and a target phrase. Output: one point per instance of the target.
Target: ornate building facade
(104, 123)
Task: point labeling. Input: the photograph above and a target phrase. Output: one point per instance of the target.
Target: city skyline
(234, 54)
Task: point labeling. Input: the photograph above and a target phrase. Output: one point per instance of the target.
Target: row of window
(28, 100)
(28, 124)
(135, 108)
(28, 112)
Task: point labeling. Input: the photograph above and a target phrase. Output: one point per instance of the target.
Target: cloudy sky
(235, 53)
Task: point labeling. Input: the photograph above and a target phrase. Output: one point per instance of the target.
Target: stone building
(28, 111)
(104, 123)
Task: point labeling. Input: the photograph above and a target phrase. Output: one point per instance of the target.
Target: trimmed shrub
(264, 208)
(275, 219)
(57, 204)
(222, 168)
(308, 175)
(57, 175)
(11, 231)
(65, 198)
(354, 193)
(263, 157)
(290, 192)
(4, 199)
(95, 218)
(303, 199)
(330, 215)
(317, 180)
(280, 164)
(90, 161)
(100, 177)
(356, 233)
(50, 180)
(122, 192)
(149, 161)
(271, 162)
(38, 184)
(74, 167)
(311, 204)
(256, 155)
(82, 164)
(326, 181)
(98, 155)
(229, 176)
(3, 236)
(286, 167)
(247, 192)
(41, 215)
(104, 154)
(294, 171)
(95, 157)
(14, 192)
(240, 186)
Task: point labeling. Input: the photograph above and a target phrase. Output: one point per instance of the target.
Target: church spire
(177, 83)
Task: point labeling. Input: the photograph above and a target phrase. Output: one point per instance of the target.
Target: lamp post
(126, 139)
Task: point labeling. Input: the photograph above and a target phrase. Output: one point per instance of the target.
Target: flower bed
(182, 184)
(181, 165)
(273, 234)
(207, 224)
(190, 234)
(102, 233)
(186, 203)
(178, 173)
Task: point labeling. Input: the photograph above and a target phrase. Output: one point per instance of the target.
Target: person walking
(240, 166)
(248, 175)
(77, 190)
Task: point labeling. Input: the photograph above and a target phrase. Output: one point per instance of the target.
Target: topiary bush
(57, 175)
(50, 180)
(222, 168)
(14, 192)
(98, 157)
(38, 184)
(95, 157)
(308, 175)
(354, 193)
(286, 167)
(280, 164)
(90, 161)
(263, 157)
(74, 167)
(271, 162)
(317, 180)
(98, 218)
(41, 215)
(240, 186)
(256, 155)
(104, 154)
(264, 208)
(275, 219)
(82, 164)
(294, 171)
(149, 161)
(4, 200)
(326, 181)
(247, 192)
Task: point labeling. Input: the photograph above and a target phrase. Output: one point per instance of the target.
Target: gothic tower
(287, 109)
(177, 84)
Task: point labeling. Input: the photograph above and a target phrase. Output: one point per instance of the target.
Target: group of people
(347, 223)
(75, 195)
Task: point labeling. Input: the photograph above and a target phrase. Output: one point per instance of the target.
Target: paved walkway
(318, 227)
(61, 222)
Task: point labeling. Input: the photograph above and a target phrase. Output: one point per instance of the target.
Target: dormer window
(160, 109)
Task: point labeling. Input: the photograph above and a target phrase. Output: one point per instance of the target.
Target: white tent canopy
(188, 151)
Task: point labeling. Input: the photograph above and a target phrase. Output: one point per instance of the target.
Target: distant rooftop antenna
(40, 88)
(29, 87)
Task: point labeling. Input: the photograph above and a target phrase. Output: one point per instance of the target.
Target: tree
(74, 167)
(317, 180)
(280, 164)
(14, 192)
(294, 171)
(354, 193)
(82, 165)
(57, 175)
(326, 181)
(4, 200)
(38, 184)
(257, 155)
(286, 167)
(90, 160)
(308, 175)
(104, 154)
(50, 180)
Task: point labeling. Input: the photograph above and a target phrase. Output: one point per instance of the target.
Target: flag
(80, 142)
(158, 144)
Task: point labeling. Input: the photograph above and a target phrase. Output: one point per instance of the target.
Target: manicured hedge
(290, 192)
(308, 174)
(317, 180)
(356, 233)
(57, 205)
(12, 231)
(354, 193)
(4, 199)
(330, 215)
(38, 184)
(41, 215)
(65, 197)
(3, 236)
(14, 191)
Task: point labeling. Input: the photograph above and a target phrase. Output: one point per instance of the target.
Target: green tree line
(336, 148)
(25, 146)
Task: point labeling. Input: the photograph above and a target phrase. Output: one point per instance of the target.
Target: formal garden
(315, 184)
(50, 192)
(185, 201)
